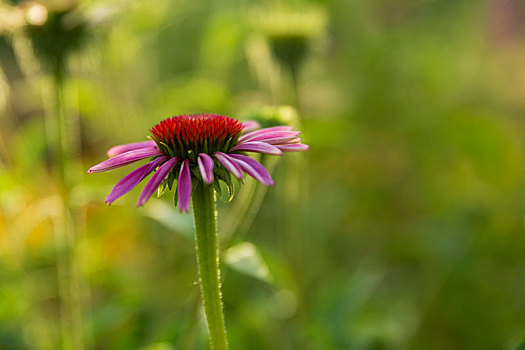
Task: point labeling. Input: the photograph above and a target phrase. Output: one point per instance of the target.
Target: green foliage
(411, 234)
(62, 32)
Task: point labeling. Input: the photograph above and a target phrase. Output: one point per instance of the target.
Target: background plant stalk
(67, 267)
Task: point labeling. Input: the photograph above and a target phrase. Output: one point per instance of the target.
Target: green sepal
(230, 193)
(219, 171)
(162, 188)
(171, 180)
(167, 149)
(224, 176)
(227, 145)
(217, 187)
(196, 172)
(229, 184)
(194, 184)
(228, 179)
(192, 156)
(175, 199)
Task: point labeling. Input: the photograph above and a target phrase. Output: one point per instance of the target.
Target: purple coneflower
(201, 147)
(199, 151)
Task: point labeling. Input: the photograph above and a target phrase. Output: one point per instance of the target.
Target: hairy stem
(208, 261)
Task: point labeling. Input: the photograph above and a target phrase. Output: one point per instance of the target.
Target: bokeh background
(401, 228)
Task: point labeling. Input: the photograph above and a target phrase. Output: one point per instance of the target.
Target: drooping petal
(250, 125)
(115, 151)
(125, 158)
(258, 147)
(278, 140)
(250, 135)
(232, 167)
(205, 163)
(274, 136)
(132, 179)
(294, 147)
(156, 180)
(184, 186)
(253, 167)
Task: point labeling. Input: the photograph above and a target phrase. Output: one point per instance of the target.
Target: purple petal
(206, 167)
(184, 186)
(250, 125)
(274, 136)
(296, 140)
(294, 147)
(132, 179)
(115, 151)
(125, 158)
(258, 147)
(253, 134)
(230, 165)
(278, 140)
(156, 180)
(253, 167)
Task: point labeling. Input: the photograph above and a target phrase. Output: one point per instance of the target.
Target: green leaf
(158, 346)
(246, 259)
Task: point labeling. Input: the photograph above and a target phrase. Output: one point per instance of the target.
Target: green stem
(294, 79)
(208, 260)
(60, 142)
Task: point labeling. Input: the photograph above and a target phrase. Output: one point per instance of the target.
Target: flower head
(202, 147)
(56, 29)
(290, 33)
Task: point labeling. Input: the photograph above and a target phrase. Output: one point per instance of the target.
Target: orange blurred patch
(40, 235)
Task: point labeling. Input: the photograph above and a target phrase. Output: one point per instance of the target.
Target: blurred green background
(407, 233)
